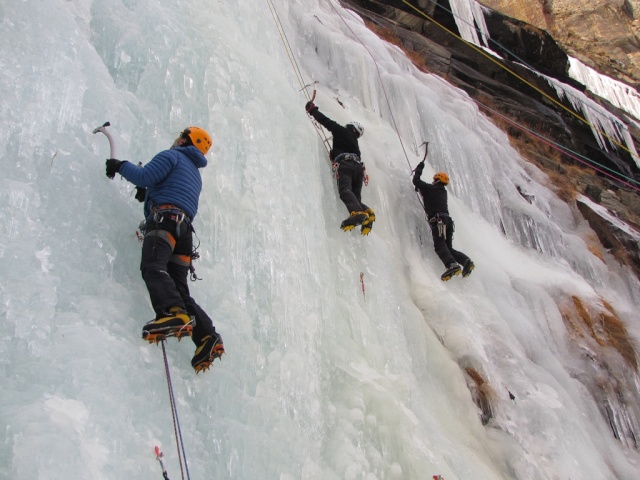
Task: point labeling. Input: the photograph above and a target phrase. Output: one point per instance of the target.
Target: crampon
(161, 334)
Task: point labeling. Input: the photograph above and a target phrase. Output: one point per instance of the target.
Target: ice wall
(325, 376)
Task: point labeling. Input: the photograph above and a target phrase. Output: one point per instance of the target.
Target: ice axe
(313, 97)
(112, 145)
(426, 151)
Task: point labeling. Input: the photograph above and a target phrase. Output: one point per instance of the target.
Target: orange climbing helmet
(442, 178)
(199, 137)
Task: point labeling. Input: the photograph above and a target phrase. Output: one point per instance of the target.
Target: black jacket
(433, 195)
(343, 140)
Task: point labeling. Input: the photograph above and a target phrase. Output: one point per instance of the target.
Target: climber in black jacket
(346, 154)
(434, 197)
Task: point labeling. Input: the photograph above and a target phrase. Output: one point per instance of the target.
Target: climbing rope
(384, 90)
(603, 169)
(386, 97)
(182, 458)
(615, 175)
(296, 68)
(511, 72)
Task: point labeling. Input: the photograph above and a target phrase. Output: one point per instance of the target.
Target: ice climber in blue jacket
(170, 186)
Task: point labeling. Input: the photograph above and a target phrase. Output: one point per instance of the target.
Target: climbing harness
(174, 214)
(344, 157)
(182, 458)
(182, 220)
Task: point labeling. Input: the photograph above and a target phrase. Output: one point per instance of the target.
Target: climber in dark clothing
(346, 154)
(434, 197)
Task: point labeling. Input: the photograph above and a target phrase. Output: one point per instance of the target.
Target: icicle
(469, 19)
(600, 120)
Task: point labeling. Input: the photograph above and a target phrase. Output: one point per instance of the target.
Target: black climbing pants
(166, 258)
(350, 179)
(443, 244)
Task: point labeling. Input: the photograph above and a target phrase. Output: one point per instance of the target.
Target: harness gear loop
(194, 256)
(438, 222)
(442, 228)
(179, 219)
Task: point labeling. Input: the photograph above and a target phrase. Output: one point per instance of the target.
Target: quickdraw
(334, 169)
(159, 456)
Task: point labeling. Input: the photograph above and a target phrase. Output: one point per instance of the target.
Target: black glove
(113, 167)
(140, 193)
(420, 168)
(310, 107)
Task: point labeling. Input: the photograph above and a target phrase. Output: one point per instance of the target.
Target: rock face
(521, 99)
(603, 34)
(617, 240)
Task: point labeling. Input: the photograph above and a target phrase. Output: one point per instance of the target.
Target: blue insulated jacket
(171, 177)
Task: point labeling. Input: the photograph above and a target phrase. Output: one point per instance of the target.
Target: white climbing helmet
(358, 127)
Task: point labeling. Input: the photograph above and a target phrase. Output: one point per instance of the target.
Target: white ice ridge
(603, 123)
(619, 94)
(469, 18)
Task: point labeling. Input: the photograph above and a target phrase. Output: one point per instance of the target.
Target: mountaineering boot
(468, 268)
(452, 270)
(174, 323)
(367, 225)
(210, 349)
(356, 218)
